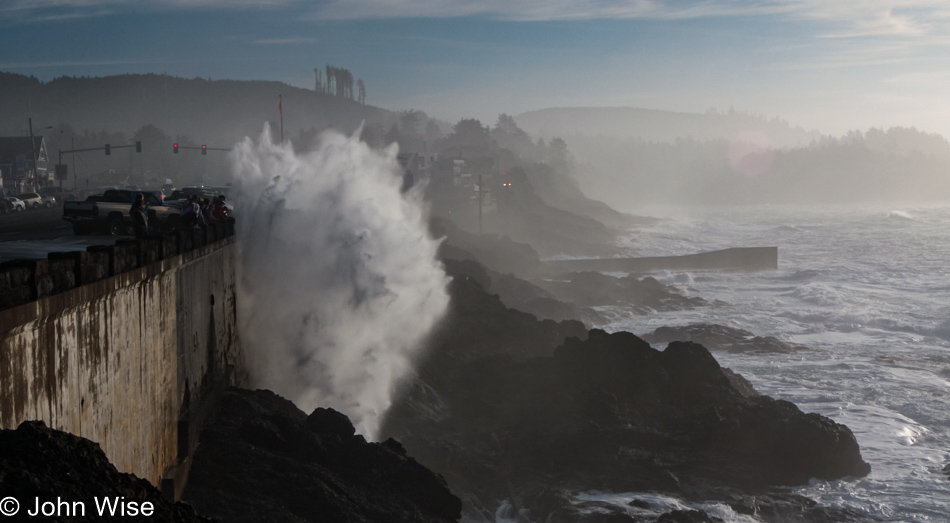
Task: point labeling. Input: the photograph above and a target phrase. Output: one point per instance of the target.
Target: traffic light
(138, 147)
(204, 149)
(175, 148)
(108, 150)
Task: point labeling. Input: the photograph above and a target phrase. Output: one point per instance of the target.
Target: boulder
(720, 337)
(37, 462)
(261, 459)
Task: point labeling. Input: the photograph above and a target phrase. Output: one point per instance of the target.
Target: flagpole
(280, 106)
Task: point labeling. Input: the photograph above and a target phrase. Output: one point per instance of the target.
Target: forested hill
(660, 126)
(212, 112)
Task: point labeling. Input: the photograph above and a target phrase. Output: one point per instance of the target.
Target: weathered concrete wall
(123, 358)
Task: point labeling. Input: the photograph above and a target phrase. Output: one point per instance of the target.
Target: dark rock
(527, 297)
(643, 295)
(609, 412)
(39, 462)
(719, 337)
(329, 421)
(686, 516)
(742, 385)
(520, 294)
(263, 460)
(639, 503)
(589, 512)
(498, 253)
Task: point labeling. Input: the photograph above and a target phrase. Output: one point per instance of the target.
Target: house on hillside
(20, 171)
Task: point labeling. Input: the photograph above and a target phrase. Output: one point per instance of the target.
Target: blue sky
(830, 66)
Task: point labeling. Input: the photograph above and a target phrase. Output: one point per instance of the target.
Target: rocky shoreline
(517, 410)
(534, 421)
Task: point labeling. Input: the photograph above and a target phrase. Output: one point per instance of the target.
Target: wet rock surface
(522, 295)
(643, 294)
(719, 337)
(261, 459)
(495, 252)
(505, 416)
(37, 462)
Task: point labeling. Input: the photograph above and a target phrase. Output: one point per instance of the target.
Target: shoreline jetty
(736, 259)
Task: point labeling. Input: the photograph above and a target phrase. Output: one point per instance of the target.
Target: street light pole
(481, 193)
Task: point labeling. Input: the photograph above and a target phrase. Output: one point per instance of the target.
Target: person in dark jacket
(139, 214)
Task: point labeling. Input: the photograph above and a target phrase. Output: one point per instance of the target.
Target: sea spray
(337, 277)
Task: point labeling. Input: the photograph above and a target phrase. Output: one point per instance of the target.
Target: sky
(830, 66)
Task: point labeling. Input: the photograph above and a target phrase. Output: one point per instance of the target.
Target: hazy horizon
(829, 68)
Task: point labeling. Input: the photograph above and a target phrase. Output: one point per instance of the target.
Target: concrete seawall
(125, 345)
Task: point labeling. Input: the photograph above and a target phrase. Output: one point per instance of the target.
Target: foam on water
(867, 290)
(659, 504)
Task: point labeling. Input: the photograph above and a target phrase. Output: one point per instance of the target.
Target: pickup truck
(109, 213)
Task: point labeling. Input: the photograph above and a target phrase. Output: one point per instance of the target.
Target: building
(19, 170)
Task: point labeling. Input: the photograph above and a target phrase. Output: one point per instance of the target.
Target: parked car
(60, 193)
(109, 213)
(33, 200)
(101, 190)
(15, 204)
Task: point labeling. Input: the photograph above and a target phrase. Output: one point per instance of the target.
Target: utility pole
(480, 193)
(507, 186)
(33, 146)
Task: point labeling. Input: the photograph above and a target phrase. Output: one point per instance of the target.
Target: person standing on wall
(191, 213)
(139, 214)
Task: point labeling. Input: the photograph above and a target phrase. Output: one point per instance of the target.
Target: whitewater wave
(820, 294)
(901, 215)
(802, 275)
(338, 277)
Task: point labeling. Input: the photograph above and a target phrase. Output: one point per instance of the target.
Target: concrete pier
(738, 259)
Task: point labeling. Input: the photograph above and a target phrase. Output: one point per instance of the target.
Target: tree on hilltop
(469, 132)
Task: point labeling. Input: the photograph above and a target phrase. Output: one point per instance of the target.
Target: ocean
(867, 290)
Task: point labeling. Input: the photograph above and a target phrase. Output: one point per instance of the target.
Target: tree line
(339, 82)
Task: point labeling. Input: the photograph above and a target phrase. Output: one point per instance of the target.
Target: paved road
(34, 234)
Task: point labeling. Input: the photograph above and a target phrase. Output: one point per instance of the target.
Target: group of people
(196, 212)
(203, 212)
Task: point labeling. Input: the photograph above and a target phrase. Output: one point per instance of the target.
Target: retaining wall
(125, 345)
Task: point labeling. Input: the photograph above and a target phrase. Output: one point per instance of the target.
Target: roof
(13, 146)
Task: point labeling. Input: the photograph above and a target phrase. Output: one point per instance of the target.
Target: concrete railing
(23, 281)
(127, 345)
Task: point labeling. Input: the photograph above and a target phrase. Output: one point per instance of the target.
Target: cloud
(927, 20)
(285, 41)
(80, 63)
(918, 79)
(30, 11)
(864, 16)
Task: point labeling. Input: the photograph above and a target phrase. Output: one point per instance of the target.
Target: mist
(338, 280)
